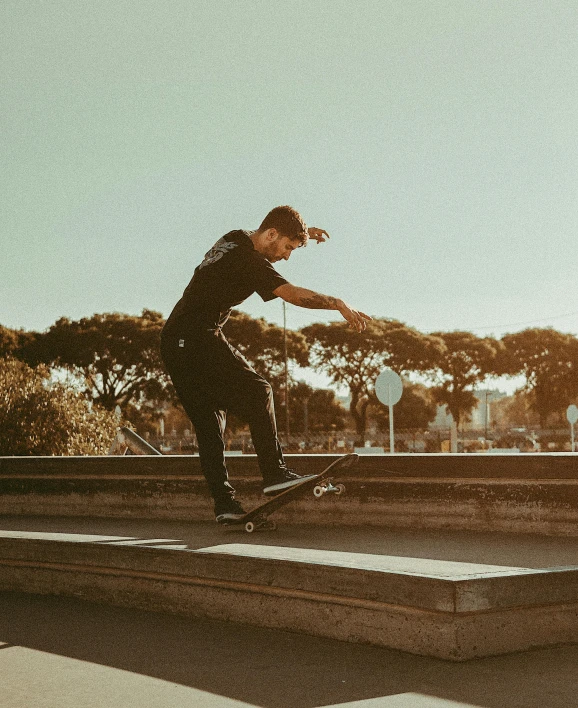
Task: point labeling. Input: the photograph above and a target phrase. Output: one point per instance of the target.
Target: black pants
(211, 377)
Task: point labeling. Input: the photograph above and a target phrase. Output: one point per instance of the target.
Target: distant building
(481, 416)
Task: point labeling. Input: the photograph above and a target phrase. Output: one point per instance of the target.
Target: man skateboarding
(210, 376)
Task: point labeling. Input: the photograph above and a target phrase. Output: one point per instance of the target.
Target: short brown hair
(288, 222)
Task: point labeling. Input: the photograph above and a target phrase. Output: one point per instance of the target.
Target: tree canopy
(355, 359)
(549, 361)
(115, 357)
(416, 409)
(466, 360)
(13, 340)
(314, 410)
(262, 344)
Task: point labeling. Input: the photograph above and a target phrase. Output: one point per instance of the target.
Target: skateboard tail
(343, 462)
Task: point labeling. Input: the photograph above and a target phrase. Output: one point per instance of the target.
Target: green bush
(42, 418)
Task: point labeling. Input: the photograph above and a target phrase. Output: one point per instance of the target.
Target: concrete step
(531, 466)
(512, 493)
(444, 609)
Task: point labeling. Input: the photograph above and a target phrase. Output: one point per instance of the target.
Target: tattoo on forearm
(316, 301)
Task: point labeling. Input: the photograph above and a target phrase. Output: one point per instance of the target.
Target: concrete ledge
(475, 466)
(448, 610)
(515, 493)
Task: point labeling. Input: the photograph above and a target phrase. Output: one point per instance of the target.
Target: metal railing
(127, 441)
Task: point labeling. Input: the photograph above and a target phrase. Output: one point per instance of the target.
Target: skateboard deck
(320, 484)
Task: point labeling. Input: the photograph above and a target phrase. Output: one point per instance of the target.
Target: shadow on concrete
(274, 669)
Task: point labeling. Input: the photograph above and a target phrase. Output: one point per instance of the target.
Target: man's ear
(272, 235)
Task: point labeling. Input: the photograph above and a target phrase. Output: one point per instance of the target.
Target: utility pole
(287, 428)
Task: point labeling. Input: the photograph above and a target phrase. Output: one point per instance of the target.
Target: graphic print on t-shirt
(217, 251)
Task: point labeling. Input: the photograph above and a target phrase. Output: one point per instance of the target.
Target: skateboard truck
(257, 523)
(327, 487)
(260, 524)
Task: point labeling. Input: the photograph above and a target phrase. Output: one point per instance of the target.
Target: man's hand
(357, 319)
(318, 235)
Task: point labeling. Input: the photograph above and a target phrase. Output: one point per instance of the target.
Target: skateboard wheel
(249, 527)
(339, 489)
(318, 491)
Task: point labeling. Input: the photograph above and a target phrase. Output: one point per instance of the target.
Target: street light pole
(486, 417)
(287, 429)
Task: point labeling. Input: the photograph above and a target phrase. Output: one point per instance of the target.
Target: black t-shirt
(230, 272)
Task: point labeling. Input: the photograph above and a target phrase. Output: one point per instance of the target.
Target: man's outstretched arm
(302, 297)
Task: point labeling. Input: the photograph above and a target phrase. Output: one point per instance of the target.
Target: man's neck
(257, 240)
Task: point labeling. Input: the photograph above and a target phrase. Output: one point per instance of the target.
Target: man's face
(281, 248)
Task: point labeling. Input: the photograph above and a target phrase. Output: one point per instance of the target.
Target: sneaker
(282, 480)
(228, 510)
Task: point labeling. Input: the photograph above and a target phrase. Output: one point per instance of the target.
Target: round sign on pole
(388, 387)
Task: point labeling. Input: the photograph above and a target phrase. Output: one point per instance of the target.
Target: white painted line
(74, 537)
(404, 700)
(449, 570)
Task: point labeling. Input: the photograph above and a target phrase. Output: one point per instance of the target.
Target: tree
(415, 411)
(315, 409)
(515, 411)
(262, 344)
(354, 359)
(114, 357)
(549, 361)
(40, 418)
(12, 340)
(8, 341)
(465, 362)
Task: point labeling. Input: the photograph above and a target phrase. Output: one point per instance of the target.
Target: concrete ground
(61, 652)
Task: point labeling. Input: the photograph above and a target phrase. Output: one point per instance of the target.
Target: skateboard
(258, 518)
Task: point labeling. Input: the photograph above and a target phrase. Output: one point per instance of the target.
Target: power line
(501, 326)
(528, 322)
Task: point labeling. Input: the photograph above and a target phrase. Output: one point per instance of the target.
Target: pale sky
(436, 141)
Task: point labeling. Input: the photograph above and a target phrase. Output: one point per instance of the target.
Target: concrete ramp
(449, 610)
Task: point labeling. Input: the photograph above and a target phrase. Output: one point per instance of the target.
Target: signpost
(388, 389)
(572, 416)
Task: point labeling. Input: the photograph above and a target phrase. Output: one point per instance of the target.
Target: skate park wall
(526, 493)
